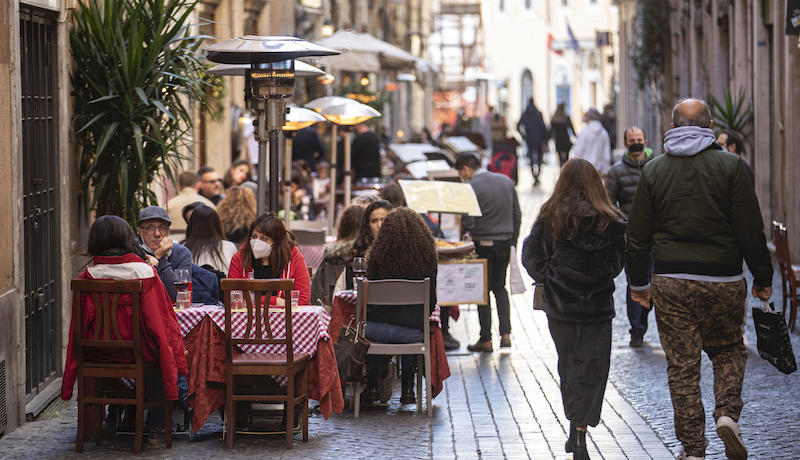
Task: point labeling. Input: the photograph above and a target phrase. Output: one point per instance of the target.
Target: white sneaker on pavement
(728, 431)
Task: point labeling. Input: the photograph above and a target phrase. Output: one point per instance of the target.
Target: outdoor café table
(343, 308)
(204, 338)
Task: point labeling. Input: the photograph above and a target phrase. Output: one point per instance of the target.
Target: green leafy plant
(136, 73)
(733, 113)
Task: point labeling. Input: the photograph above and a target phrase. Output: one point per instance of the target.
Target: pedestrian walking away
(696, 210)
(576, 248)
(561, 131)
(531, 126)
(493, 234)
(621, 183)
(592, 143)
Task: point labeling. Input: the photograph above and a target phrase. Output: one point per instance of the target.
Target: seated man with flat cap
(166, 255)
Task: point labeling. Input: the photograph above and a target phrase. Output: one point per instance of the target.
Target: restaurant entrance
(40, 197)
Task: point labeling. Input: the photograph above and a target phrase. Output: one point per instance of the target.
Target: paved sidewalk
(505, 404)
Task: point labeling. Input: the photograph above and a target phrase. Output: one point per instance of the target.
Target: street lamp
(269, 82)
(341, 111)
(297, 118)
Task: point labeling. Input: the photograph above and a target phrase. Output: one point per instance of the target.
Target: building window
(564, 3)
(501, 5)
(528, 4)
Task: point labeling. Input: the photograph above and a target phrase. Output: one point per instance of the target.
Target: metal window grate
(39, 91)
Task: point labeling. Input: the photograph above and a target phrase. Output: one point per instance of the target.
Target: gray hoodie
(687, 141)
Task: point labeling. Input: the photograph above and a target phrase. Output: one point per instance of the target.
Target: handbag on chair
(351, 351)
(773, 338)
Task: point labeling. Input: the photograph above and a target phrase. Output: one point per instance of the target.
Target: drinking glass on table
(183, 281)
(359, 270)
(183, 300)
(237, 300)
(295, 299)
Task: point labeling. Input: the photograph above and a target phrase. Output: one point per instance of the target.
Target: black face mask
(636, 148)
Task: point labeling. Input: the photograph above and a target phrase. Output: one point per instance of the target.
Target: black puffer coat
(623, 178)
(579, 273)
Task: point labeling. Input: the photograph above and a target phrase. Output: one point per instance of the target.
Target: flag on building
(573, 42)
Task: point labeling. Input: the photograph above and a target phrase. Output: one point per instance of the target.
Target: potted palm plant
(136, 73)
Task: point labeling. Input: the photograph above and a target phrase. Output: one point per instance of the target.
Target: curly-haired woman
(403, 249)
(576, 248)
(236, 211)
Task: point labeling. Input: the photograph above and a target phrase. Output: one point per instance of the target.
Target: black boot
(570, 444)
(579, 449)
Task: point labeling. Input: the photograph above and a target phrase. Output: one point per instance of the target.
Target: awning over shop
(365, 53)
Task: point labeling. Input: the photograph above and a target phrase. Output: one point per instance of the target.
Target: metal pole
(332, 194)
(274, 168)
(348, 183)
(261, 180)
(287, 180)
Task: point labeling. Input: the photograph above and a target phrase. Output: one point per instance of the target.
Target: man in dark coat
(366, 159)
(531, 126)
(696, 211)
(621, 183)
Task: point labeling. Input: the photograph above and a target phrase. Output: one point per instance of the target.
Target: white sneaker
(728, 431)
(689, 457)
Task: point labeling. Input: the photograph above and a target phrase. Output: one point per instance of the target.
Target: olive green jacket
(700, 215)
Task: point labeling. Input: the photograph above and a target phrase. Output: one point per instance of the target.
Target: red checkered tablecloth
(351, 297)
(309, 326)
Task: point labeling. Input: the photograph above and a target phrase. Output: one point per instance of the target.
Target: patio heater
(346, 112)
(269, 82)
(297, 119)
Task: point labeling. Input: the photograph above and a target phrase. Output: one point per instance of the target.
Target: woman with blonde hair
(576, 249)
(236, 211)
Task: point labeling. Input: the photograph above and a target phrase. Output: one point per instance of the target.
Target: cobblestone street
(505, 404)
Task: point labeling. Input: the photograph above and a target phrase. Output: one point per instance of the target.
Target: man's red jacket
(161, 336)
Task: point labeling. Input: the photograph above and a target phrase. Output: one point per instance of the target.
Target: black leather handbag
(773, 338)
(351, 352)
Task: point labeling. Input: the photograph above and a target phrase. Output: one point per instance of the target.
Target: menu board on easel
(439, 196)
(462, 282)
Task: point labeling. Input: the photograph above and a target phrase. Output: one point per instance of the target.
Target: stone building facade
(728, 45)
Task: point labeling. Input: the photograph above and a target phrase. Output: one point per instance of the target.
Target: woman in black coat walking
(576, 248)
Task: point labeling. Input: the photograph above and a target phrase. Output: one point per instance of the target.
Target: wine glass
(182, 280)
(359, 270)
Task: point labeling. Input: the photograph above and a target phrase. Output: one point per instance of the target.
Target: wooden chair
(789, 273)
(399, 293)
(306, 237)
(258, 332)
(104, 338)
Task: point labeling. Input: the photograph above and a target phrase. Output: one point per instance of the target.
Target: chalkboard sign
(462, 281)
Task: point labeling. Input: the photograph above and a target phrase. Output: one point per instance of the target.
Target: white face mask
(261, 249)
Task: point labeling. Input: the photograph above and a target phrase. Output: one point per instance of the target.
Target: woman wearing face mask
(269, 252)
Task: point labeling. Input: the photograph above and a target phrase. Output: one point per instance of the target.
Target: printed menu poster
(440, 196)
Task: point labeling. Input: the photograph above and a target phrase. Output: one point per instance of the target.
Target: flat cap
(154, 212)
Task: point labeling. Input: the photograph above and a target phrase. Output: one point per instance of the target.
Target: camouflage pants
(694, 316)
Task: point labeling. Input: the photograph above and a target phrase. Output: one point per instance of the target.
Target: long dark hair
(204, 234)
(270, 225)
(111, 232)
(349, 223)
(404, 248)
(578, 201)
(365, 238)
(227, 181)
